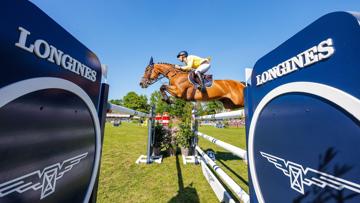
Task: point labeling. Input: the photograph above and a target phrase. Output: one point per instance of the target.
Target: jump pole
(150, 136)
(229, 181)
(231, 148)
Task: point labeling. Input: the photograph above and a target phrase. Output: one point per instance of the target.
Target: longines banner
(312, 156)
(49, 98)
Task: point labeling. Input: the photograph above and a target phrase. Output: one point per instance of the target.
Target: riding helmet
(182, 53)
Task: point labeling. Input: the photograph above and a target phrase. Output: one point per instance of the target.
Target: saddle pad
(208, 79)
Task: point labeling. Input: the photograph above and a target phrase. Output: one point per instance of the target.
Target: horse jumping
(229, 92)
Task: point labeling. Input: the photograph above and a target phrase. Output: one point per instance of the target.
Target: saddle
(208, 79)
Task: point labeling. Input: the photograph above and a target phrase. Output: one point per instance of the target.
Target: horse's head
(150, 75)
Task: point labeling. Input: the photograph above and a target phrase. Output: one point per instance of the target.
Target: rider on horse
(192, 62)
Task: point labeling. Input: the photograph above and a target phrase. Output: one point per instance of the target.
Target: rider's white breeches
(203, 68)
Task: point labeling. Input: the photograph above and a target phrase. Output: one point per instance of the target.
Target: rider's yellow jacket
(193, 62)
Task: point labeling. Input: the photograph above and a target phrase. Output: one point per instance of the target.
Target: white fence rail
(218, 188)
(225, 115)
(125, 110)
(231, 148)
(230, 182)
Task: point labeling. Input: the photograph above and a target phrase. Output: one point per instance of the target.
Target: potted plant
(183, 138)
(169, 142)
(160, 134)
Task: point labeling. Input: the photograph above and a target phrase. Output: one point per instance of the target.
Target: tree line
(141, 103)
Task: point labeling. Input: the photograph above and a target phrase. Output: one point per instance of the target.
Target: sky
(124, 34)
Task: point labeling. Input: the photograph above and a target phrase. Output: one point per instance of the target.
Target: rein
(163, 75)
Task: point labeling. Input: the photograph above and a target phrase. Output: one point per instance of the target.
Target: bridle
(151, 69)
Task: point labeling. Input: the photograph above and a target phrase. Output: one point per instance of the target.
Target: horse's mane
(173, 66)
(166, 63)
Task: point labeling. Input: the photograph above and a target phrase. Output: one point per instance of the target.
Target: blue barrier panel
(50, 114)
(303, 116)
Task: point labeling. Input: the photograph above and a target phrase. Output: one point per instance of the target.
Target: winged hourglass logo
(300, 176)
(44, 179)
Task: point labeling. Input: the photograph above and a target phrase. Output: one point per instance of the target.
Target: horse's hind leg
(236, 95)
(228, 104)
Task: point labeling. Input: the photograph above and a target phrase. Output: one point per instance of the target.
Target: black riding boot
(201, 79)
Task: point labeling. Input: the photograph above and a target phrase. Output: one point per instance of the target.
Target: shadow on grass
(185, 194)
(224, 156)
(167, 154)
(233, 172)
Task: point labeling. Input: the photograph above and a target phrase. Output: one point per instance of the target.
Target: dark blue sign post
(303, 116)
(51, 110)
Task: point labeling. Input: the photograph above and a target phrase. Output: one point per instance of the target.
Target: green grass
(121, 180)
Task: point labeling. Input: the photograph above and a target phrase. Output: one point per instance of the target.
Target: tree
(119, 102)
(178, 107)
(200, 108)
(212, 107)
(136, 102)
(160, 105)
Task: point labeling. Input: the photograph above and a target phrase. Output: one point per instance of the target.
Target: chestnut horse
(229, 92)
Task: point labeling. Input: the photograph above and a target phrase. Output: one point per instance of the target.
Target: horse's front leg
(171, 89)
(165, 97)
